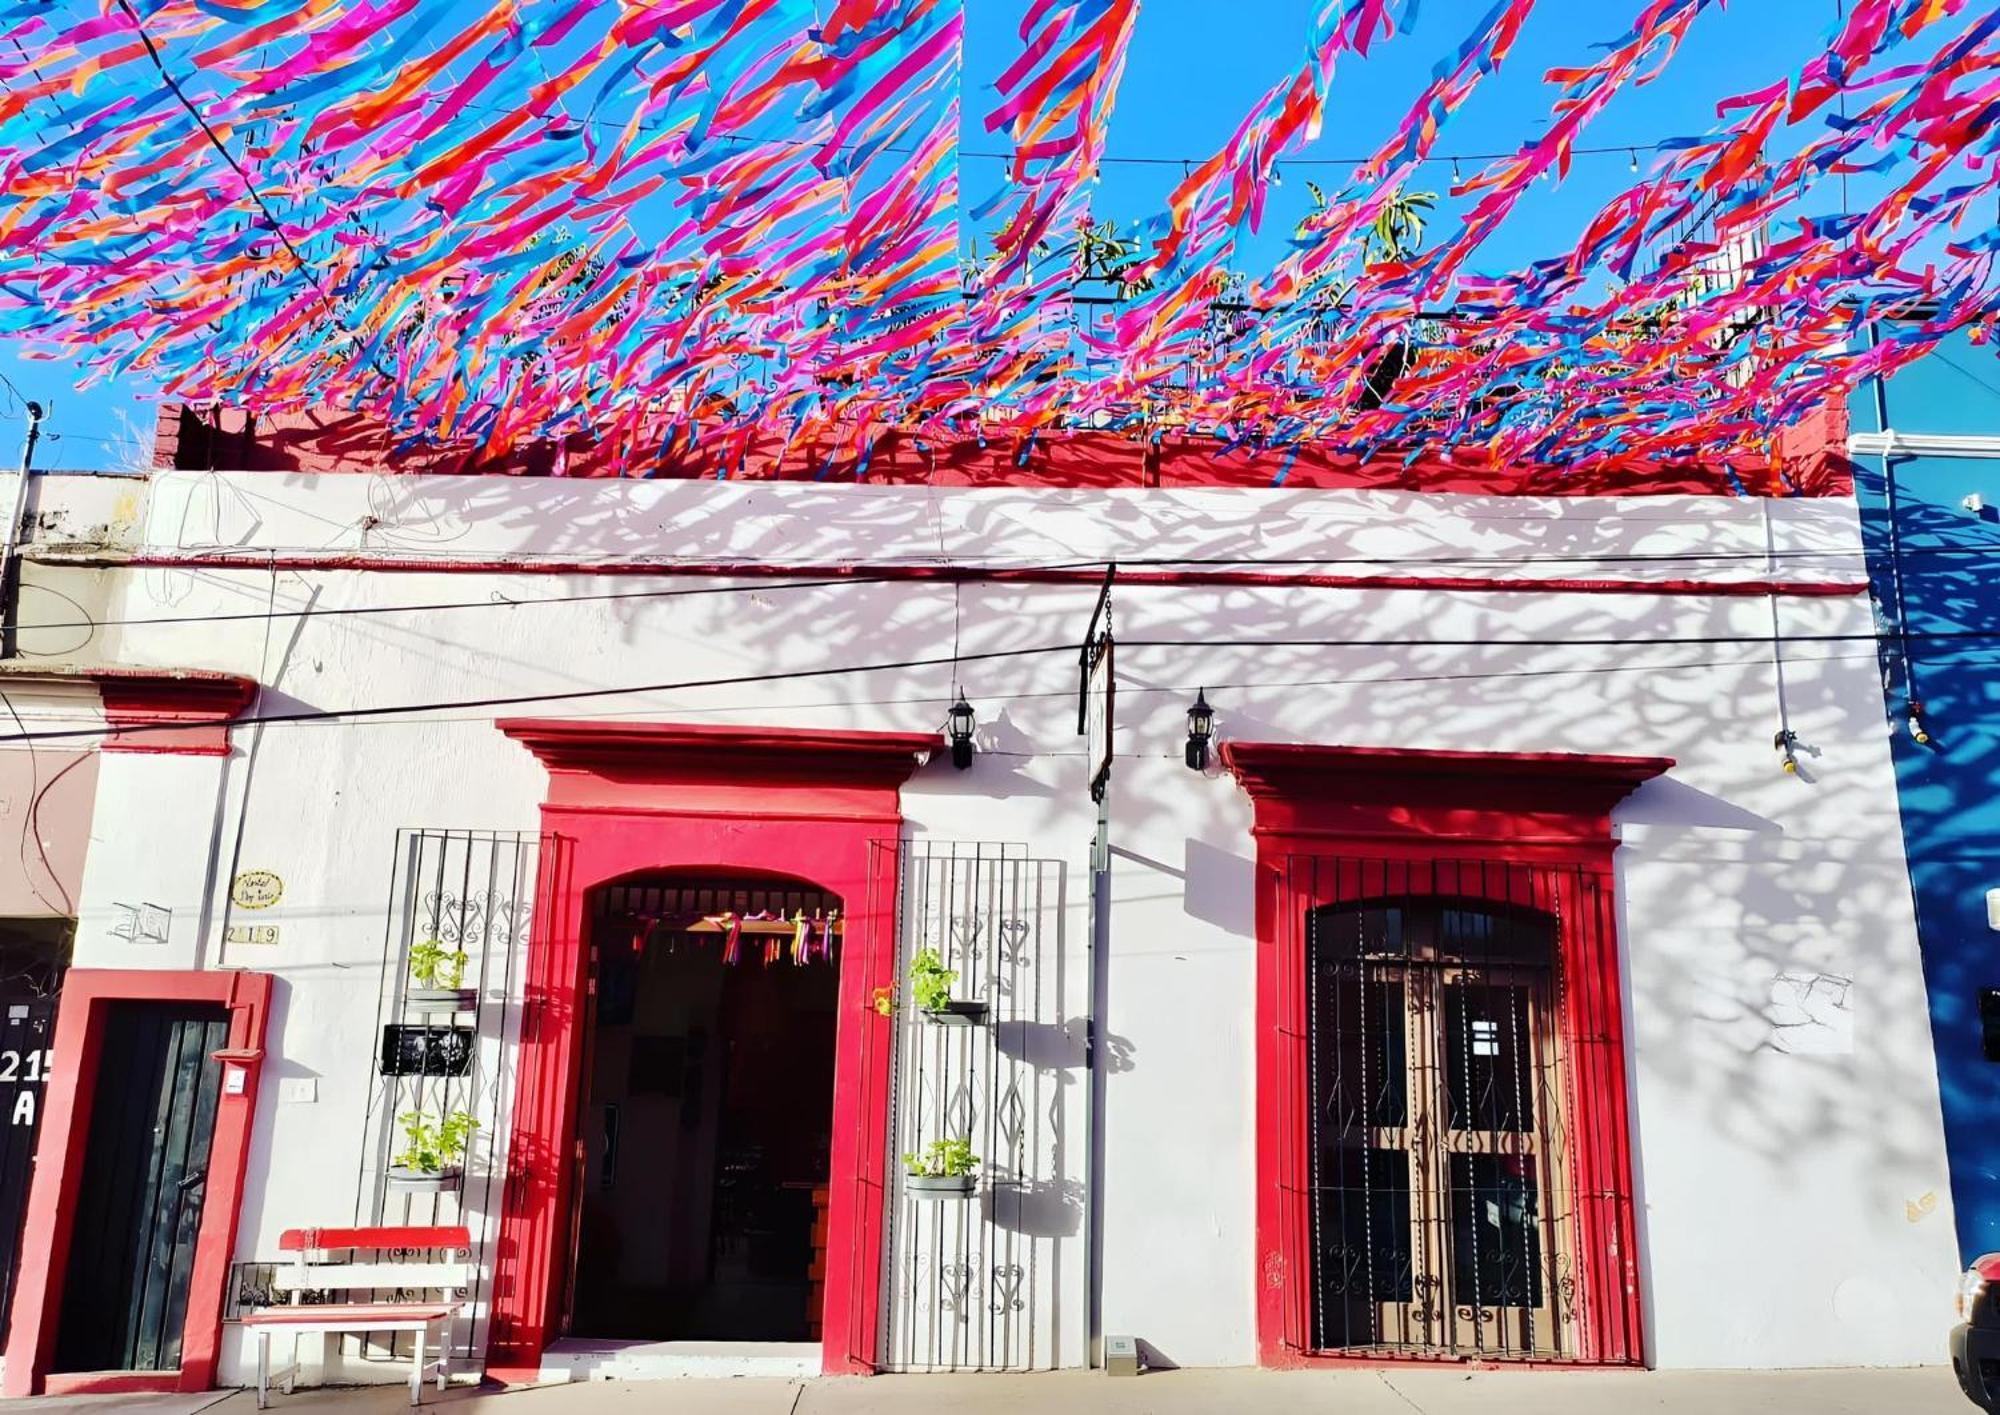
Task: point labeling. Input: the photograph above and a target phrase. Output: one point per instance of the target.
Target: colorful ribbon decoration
(711, 232)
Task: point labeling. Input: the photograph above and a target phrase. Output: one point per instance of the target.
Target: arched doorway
(718, 803)
(707, 1115)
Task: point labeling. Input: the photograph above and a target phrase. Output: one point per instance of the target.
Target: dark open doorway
(145, 1180)
(707, 1116)
(34, 953)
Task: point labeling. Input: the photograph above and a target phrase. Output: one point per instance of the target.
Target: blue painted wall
(1935, 568)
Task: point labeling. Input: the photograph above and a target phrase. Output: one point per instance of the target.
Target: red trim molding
(112, 1383)
(630, 797)
(81, 1017)
(1187, 577)
(1552, 805)
(184, 712)
(1377, 812)
(623, 763)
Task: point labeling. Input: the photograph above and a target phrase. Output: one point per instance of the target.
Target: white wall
(1794, 1205)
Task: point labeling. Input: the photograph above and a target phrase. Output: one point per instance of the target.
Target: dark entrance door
(144, 1178)
(1445, 1213)
(26, 1025)
(33, 955)
(703, 1172)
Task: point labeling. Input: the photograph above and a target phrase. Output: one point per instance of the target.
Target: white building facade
(1492, 991)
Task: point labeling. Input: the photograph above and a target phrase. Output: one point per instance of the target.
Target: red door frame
(1548, 810)
(628, 797)
(81, 1015)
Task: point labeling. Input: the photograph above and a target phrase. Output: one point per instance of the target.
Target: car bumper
(1975, 1356)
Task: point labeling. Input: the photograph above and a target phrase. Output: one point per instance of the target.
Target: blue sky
(1196, 66)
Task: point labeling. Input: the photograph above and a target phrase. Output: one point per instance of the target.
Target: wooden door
(145, 1175)
(1437, 1132)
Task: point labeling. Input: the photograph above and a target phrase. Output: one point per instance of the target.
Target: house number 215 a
(38, 1064)
(24, 1069)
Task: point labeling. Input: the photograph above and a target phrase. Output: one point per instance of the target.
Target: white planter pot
(934, 1187)
(416, 1181)
(441, 999)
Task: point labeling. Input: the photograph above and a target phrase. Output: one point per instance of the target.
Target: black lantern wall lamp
(959, 725)
(1201, 730)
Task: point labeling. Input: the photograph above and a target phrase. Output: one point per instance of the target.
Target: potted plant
(433, 1153)
(946, 1169)
(435, 974)
(930, 986)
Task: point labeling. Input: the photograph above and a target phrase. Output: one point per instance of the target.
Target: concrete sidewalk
(1351, 1392)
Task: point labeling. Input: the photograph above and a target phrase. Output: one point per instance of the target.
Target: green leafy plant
(942, 1159)
(432, 965)
(1398, 229)
(433, 1146)
(930, 981)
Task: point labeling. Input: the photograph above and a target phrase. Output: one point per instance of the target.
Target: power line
(1628, 150)
(998, 573)
(390, 710)
(89, 437)
(524, 699)
(987, 694)
(306, 612)
(249, 187)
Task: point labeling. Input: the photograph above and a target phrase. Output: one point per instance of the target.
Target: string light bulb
(1918, 733)
(1633, 153)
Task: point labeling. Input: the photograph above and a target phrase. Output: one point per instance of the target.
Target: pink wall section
(45, 809)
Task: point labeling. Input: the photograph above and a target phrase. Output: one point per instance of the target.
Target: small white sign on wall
(141, 923)
(1810, 1014)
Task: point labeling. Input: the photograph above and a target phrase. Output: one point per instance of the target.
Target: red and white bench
(327, 1262)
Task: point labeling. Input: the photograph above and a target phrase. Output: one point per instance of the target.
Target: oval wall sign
(256, 889)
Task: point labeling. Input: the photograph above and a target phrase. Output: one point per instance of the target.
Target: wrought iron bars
(471, 891)
(1464, 1193)
(973, 1284)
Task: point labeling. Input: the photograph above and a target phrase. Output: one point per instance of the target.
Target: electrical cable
(570, 695)
(249, 187)
(998, 573)
(1137, 690)
(760, 586)
(30, 819)
(1627, 150)
(387, 710)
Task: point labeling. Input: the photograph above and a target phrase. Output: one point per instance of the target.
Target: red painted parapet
(1810, 460)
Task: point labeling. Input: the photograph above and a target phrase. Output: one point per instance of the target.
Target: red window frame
(1549, 814)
